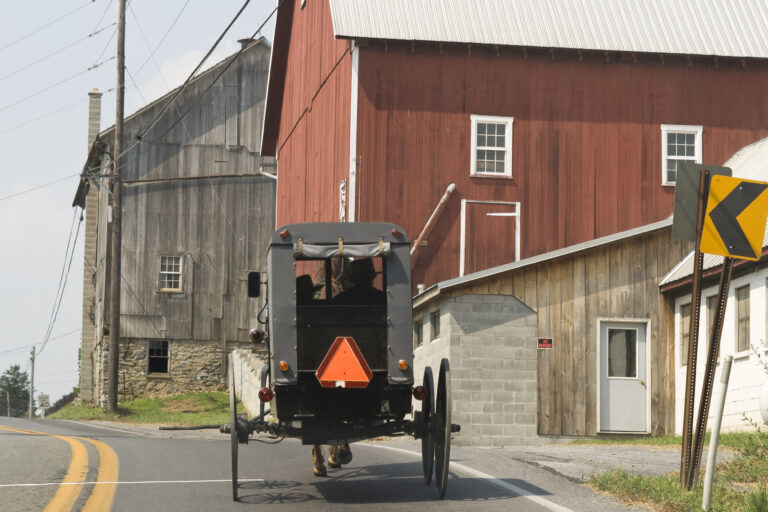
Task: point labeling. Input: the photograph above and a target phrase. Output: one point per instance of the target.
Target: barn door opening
(623, 377)
(490, 234)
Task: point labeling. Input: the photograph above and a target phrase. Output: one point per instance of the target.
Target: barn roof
(751, 163)
(436, 289)
(727, 28)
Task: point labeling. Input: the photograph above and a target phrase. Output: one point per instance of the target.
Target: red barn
(558, 121)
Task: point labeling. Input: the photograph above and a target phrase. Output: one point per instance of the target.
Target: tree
(14, 384)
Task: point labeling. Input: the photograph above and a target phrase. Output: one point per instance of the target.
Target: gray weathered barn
(198, 207)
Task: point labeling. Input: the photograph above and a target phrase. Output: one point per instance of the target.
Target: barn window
(685, 331)
(170, 273)
(157, 356)
(418, 333)
(434, 321)
(742, 318)
(491, 146)
(678, 144)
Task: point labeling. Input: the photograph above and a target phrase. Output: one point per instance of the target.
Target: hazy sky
(46, 50)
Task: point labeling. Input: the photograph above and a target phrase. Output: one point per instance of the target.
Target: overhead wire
(71, 77)
(38, 186)
(182, 87)
(60, 50)
(152, 56)
(232, 60)
(26, 347)
(63, 285)
(162, 39)
(70, 13)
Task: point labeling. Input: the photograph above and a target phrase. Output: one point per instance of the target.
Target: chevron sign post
(735, 218)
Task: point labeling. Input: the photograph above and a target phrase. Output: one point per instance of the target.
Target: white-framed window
(679, 143)
(491, 146)
(170, 279)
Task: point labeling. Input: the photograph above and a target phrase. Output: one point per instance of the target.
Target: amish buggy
(337, 323)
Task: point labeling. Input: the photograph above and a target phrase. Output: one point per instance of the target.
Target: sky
(52, 52)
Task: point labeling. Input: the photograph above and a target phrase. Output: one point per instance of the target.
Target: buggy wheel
(442, 427)
(428, 412)
(233, 426)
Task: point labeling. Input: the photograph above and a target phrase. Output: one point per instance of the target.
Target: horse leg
(333, 456)
(318, 461)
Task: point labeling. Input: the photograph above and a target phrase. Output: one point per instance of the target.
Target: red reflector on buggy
(344, 366)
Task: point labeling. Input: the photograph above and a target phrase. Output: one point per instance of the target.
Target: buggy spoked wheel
(233, 426)
(442, 427)
(428, 412)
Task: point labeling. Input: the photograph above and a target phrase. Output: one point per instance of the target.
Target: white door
(623, 377)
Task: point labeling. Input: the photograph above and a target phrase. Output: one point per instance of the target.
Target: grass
(739, 483)
(190, 409)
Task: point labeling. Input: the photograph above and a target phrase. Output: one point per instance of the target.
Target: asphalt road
(128, 469)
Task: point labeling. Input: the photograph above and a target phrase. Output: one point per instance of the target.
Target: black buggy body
(339, 335)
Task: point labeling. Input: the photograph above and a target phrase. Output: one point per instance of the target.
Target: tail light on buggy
(266, 394)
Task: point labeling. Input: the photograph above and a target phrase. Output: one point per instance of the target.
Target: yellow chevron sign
(735, 220)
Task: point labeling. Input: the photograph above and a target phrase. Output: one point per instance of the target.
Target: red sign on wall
(545, 342)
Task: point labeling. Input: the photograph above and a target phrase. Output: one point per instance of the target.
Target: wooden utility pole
(8, 403)
(116, 245)
(32, 382)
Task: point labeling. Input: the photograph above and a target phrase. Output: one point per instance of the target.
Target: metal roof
(751, 163)
(728, 28)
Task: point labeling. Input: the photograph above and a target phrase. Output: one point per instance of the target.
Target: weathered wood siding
(619, 280)
(313, 137)
(220, 222)
(586, 138)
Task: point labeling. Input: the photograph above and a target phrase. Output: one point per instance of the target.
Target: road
(66, 465)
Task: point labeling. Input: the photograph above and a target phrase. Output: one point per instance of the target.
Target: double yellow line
(103, 493)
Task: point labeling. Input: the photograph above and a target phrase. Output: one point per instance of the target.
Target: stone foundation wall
(193, 366)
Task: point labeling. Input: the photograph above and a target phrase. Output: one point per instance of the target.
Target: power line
(62, 284)
(55, 85)
(152, 56)
(103, 14)
(162, 39)
(38, 61)
(183, 86)
(70, 13)
(25, 347)
(37, 187)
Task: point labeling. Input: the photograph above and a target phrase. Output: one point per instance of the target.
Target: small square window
(157, 356)
(491, 153)
(434, 322)
(418, 333)
(170, 274)
(679, 143)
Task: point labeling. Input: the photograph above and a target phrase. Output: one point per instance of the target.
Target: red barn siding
(586, 138)
(313, 136)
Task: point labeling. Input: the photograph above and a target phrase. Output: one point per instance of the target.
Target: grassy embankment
(191, 409)
(740, 483)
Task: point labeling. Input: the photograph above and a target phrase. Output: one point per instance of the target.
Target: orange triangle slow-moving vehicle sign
(344, 366)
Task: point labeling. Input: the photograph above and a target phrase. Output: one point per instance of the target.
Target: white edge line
(554, 507)
(96, 425)
(134, 482)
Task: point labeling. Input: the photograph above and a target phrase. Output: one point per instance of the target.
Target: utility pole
(32, 383)
(8, 403)
(116, 245)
